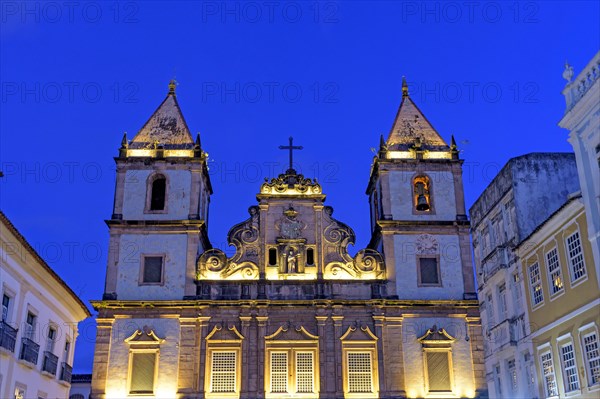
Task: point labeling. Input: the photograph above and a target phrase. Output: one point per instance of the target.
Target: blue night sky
(74, 78)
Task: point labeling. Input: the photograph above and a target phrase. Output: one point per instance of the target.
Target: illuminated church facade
(291, 314)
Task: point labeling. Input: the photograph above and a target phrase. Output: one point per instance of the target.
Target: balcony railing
(66, 371)
(29, 351)
(8, 336)
(496, 260)
(50, 363)
(502, 334)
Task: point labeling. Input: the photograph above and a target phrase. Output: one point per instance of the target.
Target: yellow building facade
(563, 304)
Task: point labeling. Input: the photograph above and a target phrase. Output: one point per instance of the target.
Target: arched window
(158, 191)
(421, 194)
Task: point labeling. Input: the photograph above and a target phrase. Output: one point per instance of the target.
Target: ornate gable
(145, 336)
(355, 333)
(222, 333)
(288, 333)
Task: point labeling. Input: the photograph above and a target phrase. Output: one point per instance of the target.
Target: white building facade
(582, 119)
(39, 322)
(523, 194)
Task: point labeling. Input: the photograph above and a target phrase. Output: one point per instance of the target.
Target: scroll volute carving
(213, 264)
(367, 264)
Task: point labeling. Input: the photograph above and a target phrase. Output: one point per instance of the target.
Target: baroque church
(291, 314)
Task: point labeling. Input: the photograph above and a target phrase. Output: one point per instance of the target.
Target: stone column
(244, 389)
(189, 361)
(101, 355)
(379, 319)
(393, 356)
(338, 373)
(260, 353)
(202, 333)
(322, 360)
(477, 354)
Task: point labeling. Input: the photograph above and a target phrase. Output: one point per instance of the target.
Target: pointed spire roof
(412, 126)
(166, 127)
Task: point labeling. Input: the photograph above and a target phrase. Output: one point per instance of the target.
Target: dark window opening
(310, 256)
(272, 256)
(429, 271)
(157, 200)
(153, 269)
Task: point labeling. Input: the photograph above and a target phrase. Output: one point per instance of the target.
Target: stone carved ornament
(213, 264)
(367, 263)
(427, 244)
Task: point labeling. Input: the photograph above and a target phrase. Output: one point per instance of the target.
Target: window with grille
(438, 371)
(569, 366)
(360, 372)
(142, 373)
(575, 257)
(548, 374)
(279, 372)
(554, 272)
(592, 357)
(304, 372)
(537, 295)
(153, 270)
(223, 372)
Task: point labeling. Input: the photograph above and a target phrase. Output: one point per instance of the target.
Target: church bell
(422, 204)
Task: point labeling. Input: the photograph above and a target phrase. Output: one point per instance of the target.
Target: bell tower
(418, 216)
(160, 213)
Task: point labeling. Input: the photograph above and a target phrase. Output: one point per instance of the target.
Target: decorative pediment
(288, 333)
(144, 336)
(435, 336)
(355, 333)
(291, 183)
(220, 333)
(213, 264)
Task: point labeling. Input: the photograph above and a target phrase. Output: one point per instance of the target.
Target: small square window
(429, 271)
(152, 269)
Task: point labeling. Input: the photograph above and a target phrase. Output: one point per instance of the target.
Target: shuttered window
(153, 266)
(438, 371)
(142, 373)
(223, 372)
(428, 271)
(360, 372)
(575, 257)
(304, 372)
(279, 372)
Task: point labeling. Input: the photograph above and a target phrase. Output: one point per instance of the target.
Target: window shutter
(304, 372)
(438, 371)
(429, 271)
(223, 372)
(279, 371)
(359, 372)
(153, 269)
(142, 372)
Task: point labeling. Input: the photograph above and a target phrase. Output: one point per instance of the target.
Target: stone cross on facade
(291, 147)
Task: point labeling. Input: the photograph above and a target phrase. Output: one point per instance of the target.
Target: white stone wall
(31, 288)
(442, 194)
(168, 360)
(178, 195)
(414, 367)
(405, 254)
(132, 247)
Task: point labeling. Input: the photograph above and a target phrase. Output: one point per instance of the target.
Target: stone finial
(172, 86)
(568, 72)
(124, 143)
(404, 87)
